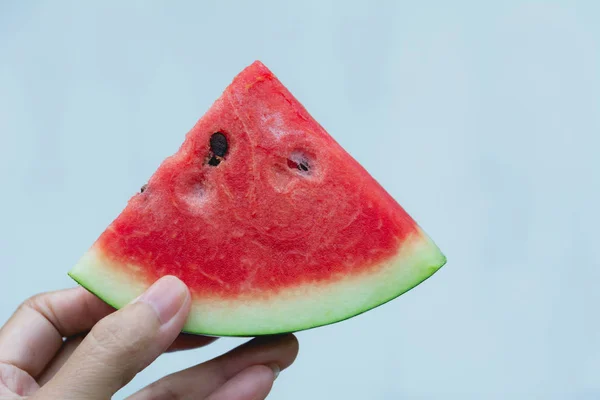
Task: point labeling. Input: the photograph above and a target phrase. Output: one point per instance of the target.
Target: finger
(183, 342)
(15, 382)
(123, 344)
(279, 350)
(34, 333)
(188, 342)
(253, 383)
(204, 379)
(60, 359)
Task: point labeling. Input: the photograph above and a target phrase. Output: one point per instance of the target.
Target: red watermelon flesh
(269, 221)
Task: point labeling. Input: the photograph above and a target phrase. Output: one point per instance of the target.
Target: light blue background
(483, 120)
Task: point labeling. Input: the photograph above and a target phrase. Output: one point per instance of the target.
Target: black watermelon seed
(143, 188)
(214, 161)
(218, 144)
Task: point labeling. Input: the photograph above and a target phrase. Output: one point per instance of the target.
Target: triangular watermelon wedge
(270, 222)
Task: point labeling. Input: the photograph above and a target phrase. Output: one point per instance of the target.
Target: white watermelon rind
(305, 307)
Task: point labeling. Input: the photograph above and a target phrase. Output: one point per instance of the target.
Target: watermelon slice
(269, 221)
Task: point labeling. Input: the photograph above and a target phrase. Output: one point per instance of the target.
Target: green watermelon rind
(314, 305)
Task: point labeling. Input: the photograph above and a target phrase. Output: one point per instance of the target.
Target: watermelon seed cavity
(297, 161)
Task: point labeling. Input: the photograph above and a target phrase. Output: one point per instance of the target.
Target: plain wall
(482, 120)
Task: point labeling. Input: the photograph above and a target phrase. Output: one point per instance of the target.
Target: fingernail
(275, 368)
(166, 296)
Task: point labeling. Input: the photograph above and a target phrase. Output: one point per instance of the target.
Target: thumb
(123, 344)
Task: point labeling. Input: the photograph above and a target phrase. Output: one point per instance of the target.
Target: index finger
(35, 332)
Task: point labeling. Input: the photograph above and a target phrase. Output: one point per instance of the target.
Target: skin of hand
(71, 345)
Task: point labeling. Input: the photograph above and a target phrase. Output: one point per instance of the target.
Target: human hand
(71, 345)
